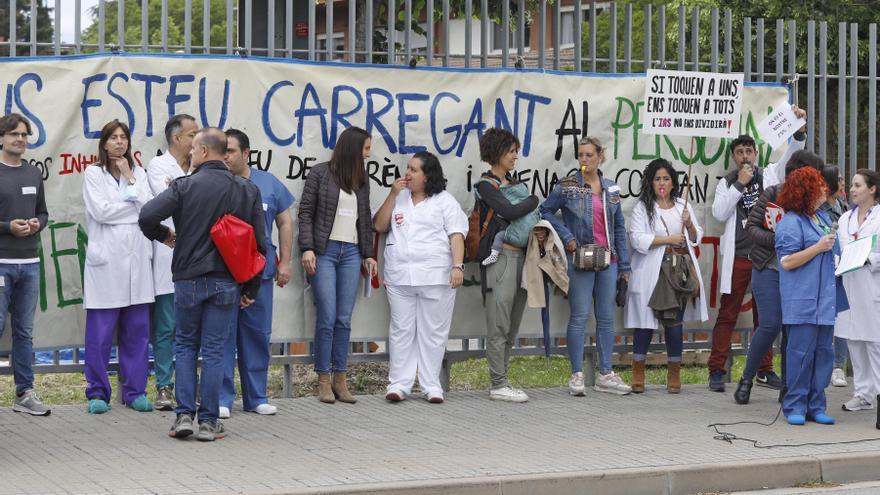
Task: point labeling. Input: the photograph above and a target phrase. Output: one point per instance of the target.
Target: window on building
(338, 40)
(568, 30)
(497, 41)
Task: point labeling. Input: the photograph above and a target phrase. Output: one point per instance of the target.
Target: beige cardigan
(554, 264)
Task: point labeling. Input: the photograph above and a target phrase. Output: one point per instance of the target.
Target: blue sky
(68, 17)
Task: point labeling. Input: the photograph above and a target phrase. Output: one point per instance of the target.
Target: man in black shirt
(206, 297)
(23, 215)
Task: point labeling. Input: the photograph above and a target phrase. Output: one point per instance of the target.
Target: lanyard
(856, 216)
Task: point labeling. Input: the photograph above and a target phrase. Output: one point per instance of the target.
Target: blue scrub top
(276, 199)
(809, 292)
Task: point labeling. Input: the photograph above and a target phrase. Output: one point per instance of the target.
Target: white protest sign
(293, 112)
(679, 103)
(777, 127)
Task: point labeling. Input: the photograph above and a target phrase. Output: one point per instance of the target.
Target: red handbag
(235, 240)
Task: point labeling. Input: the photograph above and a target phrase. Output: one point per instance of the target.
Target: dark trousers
(728, 313)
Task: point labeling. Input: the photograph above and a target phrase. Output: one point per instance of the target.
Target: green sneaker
(98, 406)
(141, 404)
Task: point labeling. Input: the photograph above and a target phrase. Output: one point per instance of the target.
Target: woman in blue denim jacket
(806, 246)
(591, 214)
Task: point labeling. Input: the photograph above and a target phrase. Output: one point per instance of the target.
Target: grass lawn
(371, 378)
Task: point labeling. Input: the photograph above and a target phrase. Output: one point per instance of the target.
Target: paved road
(867, 488)
(310, 445)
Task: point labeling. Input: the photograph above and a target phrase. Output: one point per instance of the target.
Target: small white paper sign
(777, 127)
(682, 103)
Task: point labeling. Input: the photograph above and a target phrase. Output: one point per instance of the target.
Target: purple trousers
(134, 336)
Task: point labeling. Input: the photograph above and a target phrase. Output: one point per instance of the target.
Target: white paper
(780, 125)
(368, 286)
(683, 103)
(855, 254)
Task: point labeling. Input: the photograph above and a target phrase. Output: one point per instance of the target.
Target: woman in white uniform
(661, 225)
(858, 325)
(118, 278)
(424, 254)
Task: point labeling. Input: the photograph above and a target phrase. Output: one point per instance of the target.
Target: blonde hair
(600, 150)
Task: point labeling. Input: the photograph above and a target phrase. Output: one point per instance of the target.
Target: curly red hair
(802, 189)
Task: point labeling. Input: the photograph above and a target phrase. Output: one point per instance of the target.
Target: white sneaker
(576, 384)
(612, 384)
(492, 258)
(857, 404)
(838, 377)
(224, 413)
(266, 409)
(508, 394)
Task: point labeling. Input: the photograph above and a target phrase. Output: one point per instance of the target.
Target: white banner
(679, 103)
(293, 112)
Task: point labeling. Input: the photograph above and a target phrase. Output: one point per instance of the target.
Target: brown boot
(638, 379)
(340, 389)
(673, 378)
(325, 392)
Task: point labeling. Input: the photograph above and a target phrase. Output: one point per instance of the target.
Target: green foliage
(175, 20)
(23, 27)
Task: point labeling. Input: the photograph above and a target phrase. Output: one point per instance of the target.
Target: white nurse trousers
(420, 319)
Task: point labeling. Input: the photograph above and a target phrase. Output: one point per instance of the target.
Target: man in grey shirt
(23, 215)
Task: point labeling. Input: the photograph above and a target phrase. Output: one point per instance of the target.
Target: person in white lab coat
(118, 277)
(859, 325)
(660, 225)
(179, 133)
(735, 195)
(424, 254)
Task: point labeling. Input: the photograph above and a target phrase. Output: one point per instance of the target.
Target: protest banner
(294, 111)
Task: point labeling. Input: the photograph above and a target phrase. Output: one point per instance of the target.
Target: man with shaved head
(206, 297)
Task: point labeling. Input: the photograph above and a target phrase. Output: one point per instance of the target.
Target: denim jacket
(573, 198)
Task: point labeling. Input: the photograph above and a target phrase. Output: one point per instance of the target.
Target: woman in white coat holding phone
(118, 278)
(862, 292)
(661, 226)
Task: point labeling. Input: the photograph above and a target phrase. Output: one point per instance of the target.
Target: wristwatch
(460, 266)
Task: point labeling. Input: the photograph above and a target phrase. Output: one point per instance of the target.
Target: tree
(176, 28)
(23, 27)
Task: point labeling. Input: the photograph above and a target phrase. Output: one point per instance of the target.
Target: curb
(667, 480)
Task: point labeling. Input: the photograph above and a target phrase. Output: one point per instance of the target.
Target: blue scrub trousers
(809, 362)
(251, 339)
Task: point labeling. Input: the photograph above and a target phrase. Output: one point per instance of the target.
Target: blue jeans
(334, 287)
(809, 362)
(840, 351)
(18, 297)
(765, 293)
(585, 289)
(205, 310)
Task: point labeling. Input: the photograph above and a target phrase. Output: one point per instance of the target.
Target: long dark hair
(646, 196)
(435, 182)
(106, 131)
(347, 160)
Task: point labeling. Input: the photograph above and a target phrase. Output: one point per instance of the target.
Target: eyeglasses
(22, 135)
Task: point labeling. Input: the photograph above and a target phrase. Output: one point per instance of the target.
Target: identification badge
(614, 189)
(29, 190)
(744, 222)
(398, 219)
(265, 207)
(345, 212)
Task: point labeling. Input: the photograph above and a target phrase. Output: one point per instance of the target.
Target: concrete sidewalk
(649, 443)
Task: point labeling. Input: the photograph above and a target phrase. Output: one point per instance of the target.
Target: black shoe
(782, 393)
(769, 380)
(716, 381)
(743, 391)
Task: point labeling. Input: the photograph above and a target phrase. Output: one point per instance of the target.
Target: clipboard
(855, 254)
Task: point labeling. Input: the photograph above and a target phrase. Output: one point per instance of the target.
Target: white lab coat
(646, 263)
(118, 270)
(863, 285)
(724, 210)
(161, 171)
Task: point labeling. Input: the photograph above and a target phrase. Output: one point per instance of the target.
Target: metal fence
(839, 65)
